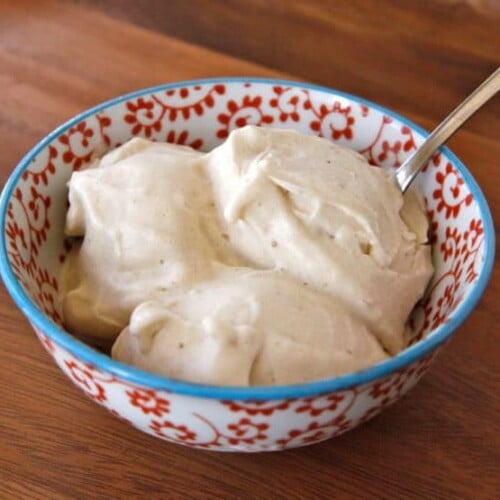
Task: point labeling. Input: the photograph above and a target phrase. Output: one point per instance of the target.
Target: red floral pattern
(391, 152)
(287, 102)
(46, 294)
(451, 193)
(248, 111)
(247, 431)
(327, 415)
(148, 115)
(333, 122)
(171, 432)
(47, 168)
(78, 150)
(83, 376)
(143, 117)
(456, 233)
(28, 230)
(148, 401)
(315, 432)
(317, 405)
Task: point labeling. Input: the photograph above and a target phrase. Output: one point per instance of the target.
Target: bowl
(201, 114)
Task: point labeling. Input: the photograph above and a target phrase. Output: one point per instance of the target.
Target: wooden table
(58, 58)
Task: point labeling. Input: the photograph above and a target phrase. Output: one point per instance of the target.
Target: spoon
(405, 174)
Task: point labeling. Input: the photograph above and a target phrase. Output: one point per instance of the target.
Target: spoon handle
(405, 174)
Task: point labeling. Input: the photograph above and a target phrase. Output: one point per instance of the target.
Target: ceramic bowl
(201, 114)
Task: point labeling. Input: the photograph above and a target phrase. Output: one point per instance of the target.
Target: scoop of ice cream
(247, 327)
(276, 258)
(148, 223)
(320, 213)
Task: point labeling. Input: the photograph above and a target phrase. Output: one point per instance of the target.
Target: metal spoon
(405, 174)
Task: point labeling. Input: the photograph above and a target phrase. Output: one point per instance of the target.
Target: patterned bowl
(201, 114)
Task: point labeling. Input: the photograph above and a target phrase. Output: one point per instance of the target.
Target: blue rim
(140, 377)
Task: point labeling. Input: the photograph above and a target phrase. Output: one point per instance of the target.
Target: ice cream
(247, 327)
(149, 224)
(275, 258)
(314, 209)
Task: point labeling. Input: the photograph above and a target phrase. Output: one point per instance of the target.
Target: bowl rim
(138, 377)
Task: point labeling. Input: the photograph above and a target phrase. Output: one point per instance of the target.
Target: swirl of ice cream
(247, 327)
(148, 223)
(315, 210)
(275, 258)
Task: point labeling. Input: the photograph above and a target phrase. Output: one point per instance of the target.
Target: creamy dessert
(275, 258)
(314, 209)
(247, 327)
(148, 223)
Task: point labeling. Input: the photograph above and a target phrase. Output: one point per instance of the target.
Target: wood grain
(58, 58)
(418, 57)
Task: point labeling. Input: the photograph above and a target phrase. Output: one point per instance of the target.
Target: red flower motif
(47, 290)
(471, 274)
(387, 391)
(17, 237)
(184, 93)
(473, 236)
(443, 297)
(341, 422)
(340, 121)
(409, 142)
(315, 437)
(171, 432)
(450, 246)
(104, 122)
(147, 115)
(38, 207)
(368, 151)
(24, 241)
(77, 142)
(287, 102)
(21, 247)
(389, 387)
(394, 154)
(380, 389)
(317, 405)
(241, 114)
(143, 116)
(446, 302)
(388, 149)
(447, 296)
(450, 193)
(316, 432)
(246, 431)
(82, 375)
(148, 401)
(49, 168)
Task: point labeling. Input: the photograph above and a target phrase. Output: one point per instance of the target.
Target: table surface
(420, 58)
